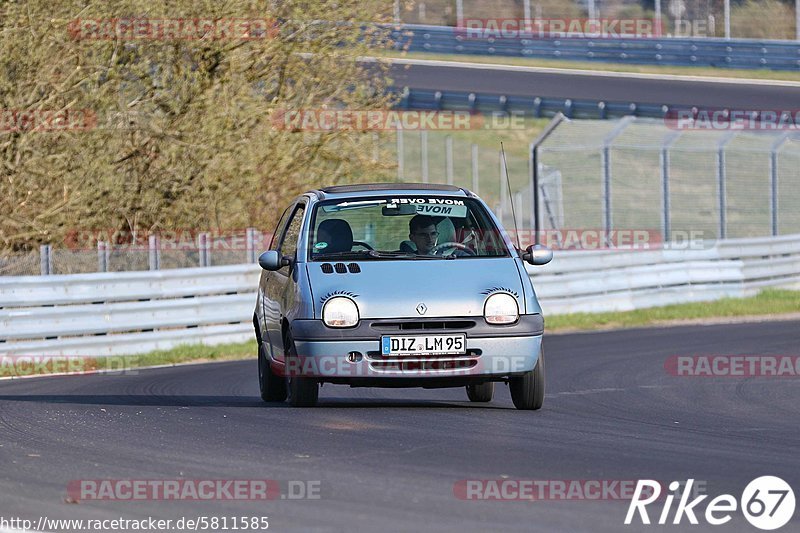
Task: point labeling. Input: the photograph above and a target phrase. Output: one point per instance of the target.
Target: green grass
(607, 67)
(768, 302)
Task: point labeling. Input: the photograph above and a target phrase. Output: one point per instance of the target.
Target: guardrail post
(45, 259)
(102, 256)
(721, 184)
(423, 141)
(665, 200)
(773, 173)
(154, 252)
(203, 249)
(250, 244)
(448, 155)
(475, 176)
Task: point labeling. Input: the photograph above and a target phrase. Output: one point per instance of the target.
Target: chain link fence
(632, 173)
(156, 252)
(762, 19)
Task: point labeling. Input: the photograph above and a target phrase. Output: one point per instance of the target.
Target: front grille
(423, 325)
(422, 366)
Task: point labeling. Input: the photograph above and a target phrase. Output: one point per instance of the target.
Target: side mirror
(272, 260)
(537, 254)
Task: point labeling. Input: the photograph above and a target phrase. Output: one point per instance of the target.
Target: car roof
(359, 189)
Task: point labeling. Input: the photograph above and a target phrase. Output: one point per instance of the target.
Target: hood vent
(340, 268)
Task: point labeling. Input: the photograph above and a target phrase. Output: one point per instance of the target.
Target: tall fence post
(448, 153)
(666, 221)
(722, 184)
(204, 258)
(154, 252)
(423, 155)
(475, 175)
(250, 244)
(102, 256)
(45, 259)
(773, 173)
(605, 155)
(401, 155)
(533, 166)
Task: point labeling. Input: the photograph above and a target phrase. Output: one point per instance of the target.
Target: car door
(279, 290)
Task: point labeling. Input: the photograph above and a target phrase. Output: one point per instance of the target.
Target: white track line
(582, 72)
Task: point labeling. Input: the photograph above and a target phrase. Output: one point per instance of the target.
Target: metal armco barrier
(525, 105)
(135, 312)
(708, 52)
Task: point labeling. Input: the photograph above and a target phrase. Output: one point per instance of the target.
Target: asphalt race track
(642, 90)
(387, 460)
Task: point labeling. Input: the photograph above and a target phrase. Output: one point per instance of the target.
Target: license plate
(424, 345)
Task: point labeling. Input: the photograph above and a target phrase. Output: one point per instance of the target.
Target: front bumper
(353, 355)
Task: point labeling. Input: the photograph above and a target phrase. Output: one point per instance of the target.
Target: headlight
(501, 308)
(340, 312)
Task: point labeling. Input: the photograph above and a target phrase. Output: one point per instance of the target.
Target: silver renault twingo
(397, 285)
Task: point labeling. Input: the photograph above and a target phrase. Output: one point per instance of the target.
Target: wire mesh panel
(748, 185)
(788, 188)
(637, 186)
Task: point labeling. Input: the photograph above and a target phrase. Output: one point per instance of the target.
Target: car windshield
(404, 228)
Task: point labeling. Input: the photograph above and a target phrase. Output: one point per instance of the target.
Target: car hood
(395, 289)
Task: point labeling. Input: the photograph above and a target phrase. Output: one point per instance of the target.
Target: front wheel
(481, 392)
(303, 392)
(527, 390)
(273, 387)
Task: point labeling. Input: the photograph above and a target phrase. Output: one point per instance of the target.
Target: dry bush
(184, 137)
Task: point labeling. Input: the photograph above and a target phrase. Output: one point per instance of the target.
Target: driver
(423, 233)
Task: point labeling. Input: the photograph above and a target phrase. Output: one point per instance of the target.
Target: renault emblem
(421, 308)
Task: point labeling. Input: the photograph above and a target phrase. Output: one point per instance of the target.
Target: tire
(273, 388)
(527, 390)
(303, 392)
(481, 392)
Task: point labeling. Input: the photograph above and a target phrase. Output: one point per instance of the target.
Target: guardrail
(526, 105)
(135, 312)
(709, 52)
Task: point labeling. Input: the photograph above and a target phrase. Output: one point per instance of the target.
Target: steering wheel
(365, 245)
(439, 248)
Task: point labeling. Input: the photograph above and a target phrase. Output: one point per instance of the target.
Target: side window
(276, 237)
(289, 241)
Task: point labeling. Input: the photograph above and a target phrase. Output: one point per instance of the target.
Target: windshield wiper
(342, 255)
(400, 255)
